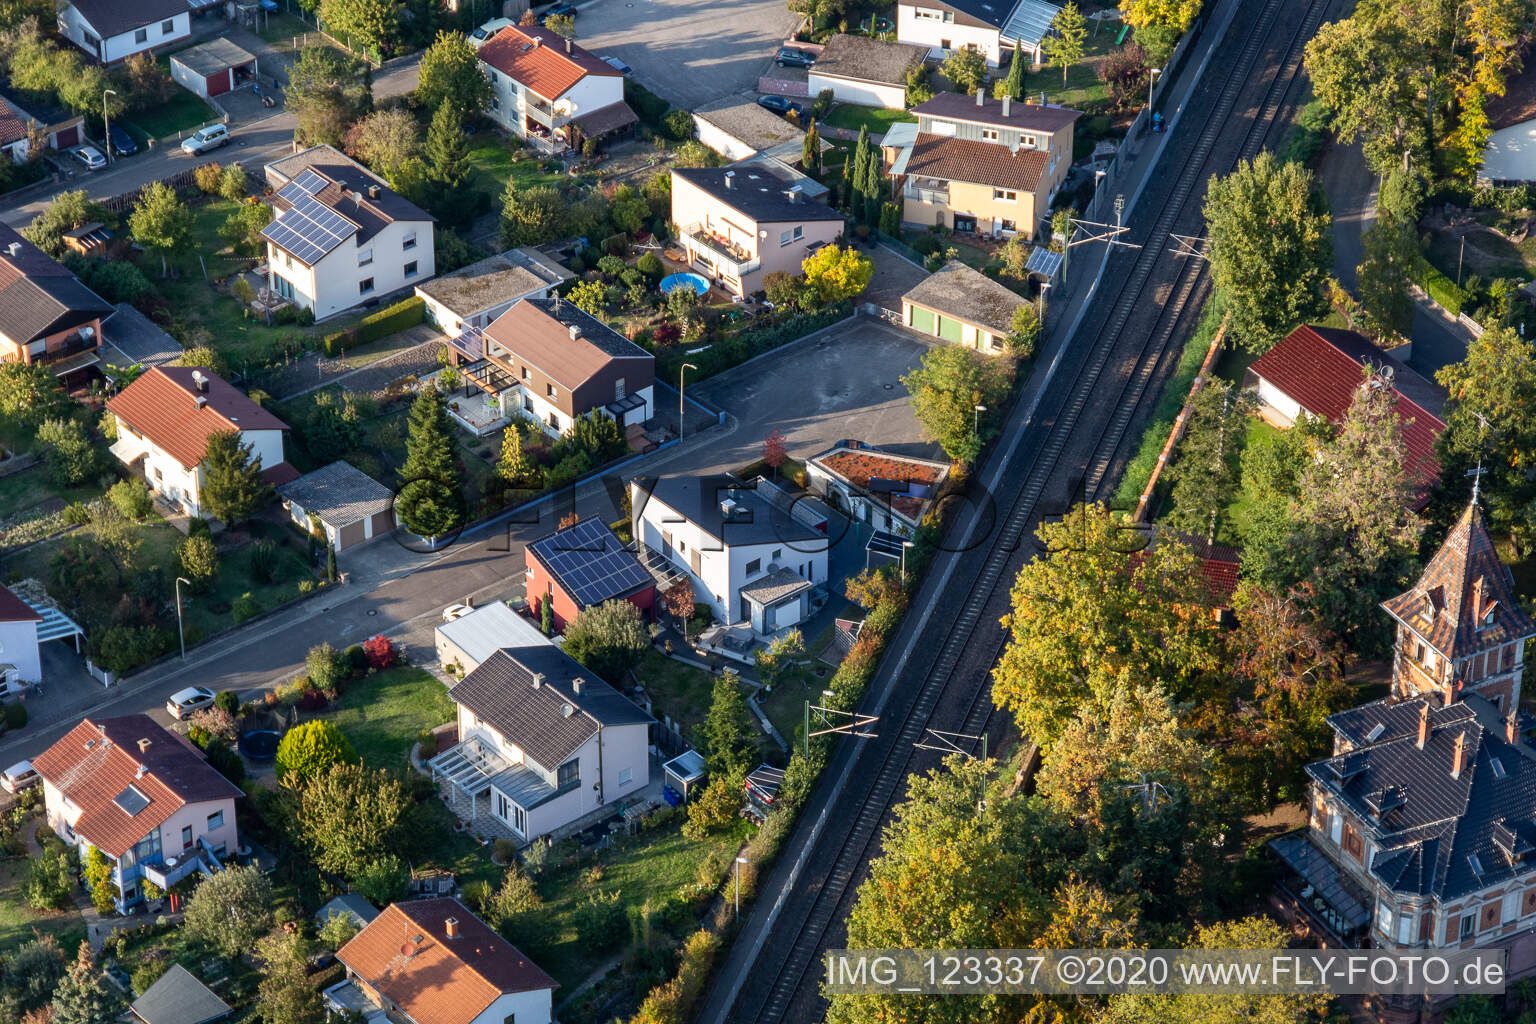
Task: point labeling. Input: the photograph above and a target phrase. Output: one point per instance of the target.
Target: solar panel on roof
(310, 181)
(589, 562)
(308, 229)
(131, 800)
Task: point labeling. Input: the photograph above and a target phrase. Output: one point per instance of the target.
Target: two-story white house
(550, 92)
(165, 418)
(431, 961)
(341, 239)
(20, 661)
(744, 221)
(143, 796)
(753, 557)
(112, 30)
(543, 744)
(992, 28)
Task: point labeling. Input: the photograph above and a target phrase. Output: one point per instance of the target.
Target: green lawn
(32, 486)
(383, 714)
(1234, 519)
(18, 921)
(492, 161)
(676, 689)
(877, 119)
(182, 112)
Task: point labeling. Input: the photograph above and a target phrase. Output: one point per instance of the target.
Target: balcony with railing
(721, 251)
(928, 190)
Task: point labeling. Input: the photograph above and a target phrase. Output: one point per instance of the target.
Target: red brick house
(584, 565)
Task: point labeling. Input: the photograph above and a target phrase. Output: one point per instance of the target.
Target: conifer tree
(430, 503)
(513, 465)
(810, 152)
(860, 170)
(82, 996)
(1014, 85)
(233, 488)
(447, 154)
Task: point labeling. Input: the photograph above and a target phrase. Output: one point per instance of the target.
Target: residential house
(962, 305)
(164, 420)
(548, 361)
(21, 662)
(1509, 157)
(740, 223)
(433, 962)
(890, 492)
(544, 745)
(991, 28)
(981, 165)
(213, 68)
(280, 172)
(737, 128)
(177, 997)
(341, 239)
(110, 30)
(1420, 829)
(583, 565)
(473, 296)
(1316, 371)
(550, 92)
(865, 71)
(751, 559)
(350, 506)
(47, 316)
(467, 641)
(17, 126)
(142, 795)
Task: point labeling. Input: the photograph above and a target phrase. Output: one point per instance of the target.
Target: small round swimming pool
(259, 744)
(698, 282)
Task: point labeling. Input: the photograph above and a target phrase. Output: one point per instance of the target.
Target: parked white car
(19, 776)
(487, 30)
(184, 702)
(205, 139)
(90, 156)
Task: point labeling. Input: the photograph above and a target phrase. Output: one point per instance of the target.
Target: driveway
(846, 383)
(688, 51)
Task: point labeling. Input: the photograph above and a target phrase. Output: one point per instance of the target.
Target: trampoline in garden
(259, 744)
(698, 282)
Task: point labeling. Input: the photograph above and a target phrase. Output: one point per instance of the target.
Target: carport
(213, 68)
(57, 626)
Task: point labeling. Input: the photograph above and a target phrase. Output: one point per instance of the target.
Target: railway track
(955, 690)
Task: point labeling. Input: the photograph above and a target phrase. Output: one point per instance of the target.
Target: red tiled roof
(541, 59)
(981, 163)
(14, 609)
(1321, 368)
(96, 763)
(859, 466)
(162, 406)
(13, 126)
(282, 473)
(405, 955)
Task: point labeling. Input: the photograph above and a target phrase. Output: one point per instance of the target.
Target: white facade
(74, 27)
(863, 94)
(935, 28)
(1279, 406)
(719, 571)
(513, 105)
(534, 1007)
(622, 751)
(398, 257)
(19, 649)
(722, 141)
(181, 484)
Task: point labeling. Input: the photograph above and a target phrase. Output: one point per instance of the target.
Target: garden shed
(178, 998)
(682, 774)
(213, 68)
(351, 506)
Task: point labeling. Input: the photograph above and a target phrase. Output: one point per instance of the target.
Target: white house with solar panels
(992, 28)
(342, 239)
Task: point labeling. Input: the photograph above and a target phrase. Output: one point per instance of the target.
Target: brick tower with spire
(1460, 630)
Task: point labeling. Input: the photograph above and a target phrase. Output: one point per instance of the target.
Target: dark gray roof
(993, 12)
(114, 17)
(339, 494)
(350, 904)
(179, 998)
(868, 60)
(758, 191)
(1025, 116)
(775, 587)
(212, 57)
(137, 339)
(967, 294)
(502, 693)
(698, 499)
(38, 295)
(1437, 834)
(593, 331)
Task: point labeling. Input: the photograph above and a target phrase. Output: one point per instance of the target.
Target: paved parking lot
(844, 384)
(687, 51)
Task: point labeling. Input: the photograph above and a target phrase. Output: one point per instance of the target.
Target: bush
(678, 124)
(227, 700)
(50, 879)
(77, 513)
(197, 526)
(616, 245)
(15, 716)
(149, 971)
(208, 177)
(131, 498)
(428, 741)
(379, 651)
(1442, 289)
(323, 666)
(601, 921)
(199, 560)
(389, 320)
(232, 184)
(309, 749)
(123, 648)
(356, 659)
(651, 266)
(611, 266)
(245, 607)
(263, 561)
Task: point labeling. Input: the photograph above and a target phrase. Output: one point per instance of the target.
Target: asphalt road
(252, 145)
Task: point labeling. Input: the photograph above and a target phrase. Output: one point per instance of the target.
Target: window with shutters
(1468, 926)
(1353, 844)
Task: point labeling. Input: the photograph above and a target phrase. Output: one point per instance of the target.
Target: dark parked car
(122, 142)
(788, 58)
(566, 9)
(780, 105)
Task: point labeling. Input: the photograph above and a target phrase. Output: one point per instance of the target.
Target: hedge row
(389, 320)
(1442, 289)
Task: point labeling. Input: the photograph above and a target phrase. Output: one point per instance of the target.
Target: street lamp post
(1459, 257)
(1045, 286)
(680, 371)
(976, 420)
(106, 123)
(1151, 84)
(182, 633)
(739, 862)
(904, 545)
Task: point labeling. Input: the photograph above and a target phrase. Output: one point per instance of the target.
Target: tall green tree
(373, 25)
(328, 91)
(286, 993)
(945, 390)
(1270, 249)
(1066, 47)
(160, 221)
(513, 466)
(530, 216)
(231, 909)
(967, 69)
(1013, 85)
(608, 638)
(29, 394)
(388, 141)
(860, 173)
(810, 150)
(1490, 421)
(727, 729)
(1100, 605)
(447, 160)
(450, 73)
(233, 488)
(1205, 470)
(1371, 76)
(349, 814)
(1383, 277)
(430, 503)
(83, 996)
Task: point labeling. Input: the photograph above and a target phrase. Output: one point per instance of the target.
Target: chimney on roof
(1453, 693)
(980, 96)
(200, 381)
(575, 330)
(143, 744)
(567, 45)
(730, 177)
(373, 191)
(1459, 761)
(1423, 725)
(537, 42)
(1512, 728)
(538, 680)
(200, 401)
(451, 927)
(577, 684)
(1006, 100)
(14, 248)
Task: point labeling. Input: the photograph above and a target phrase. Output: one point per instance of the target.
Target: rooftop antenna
(1477, 474)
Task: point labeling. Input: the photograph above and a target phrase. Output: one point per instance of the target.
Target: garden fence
(181, 183)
